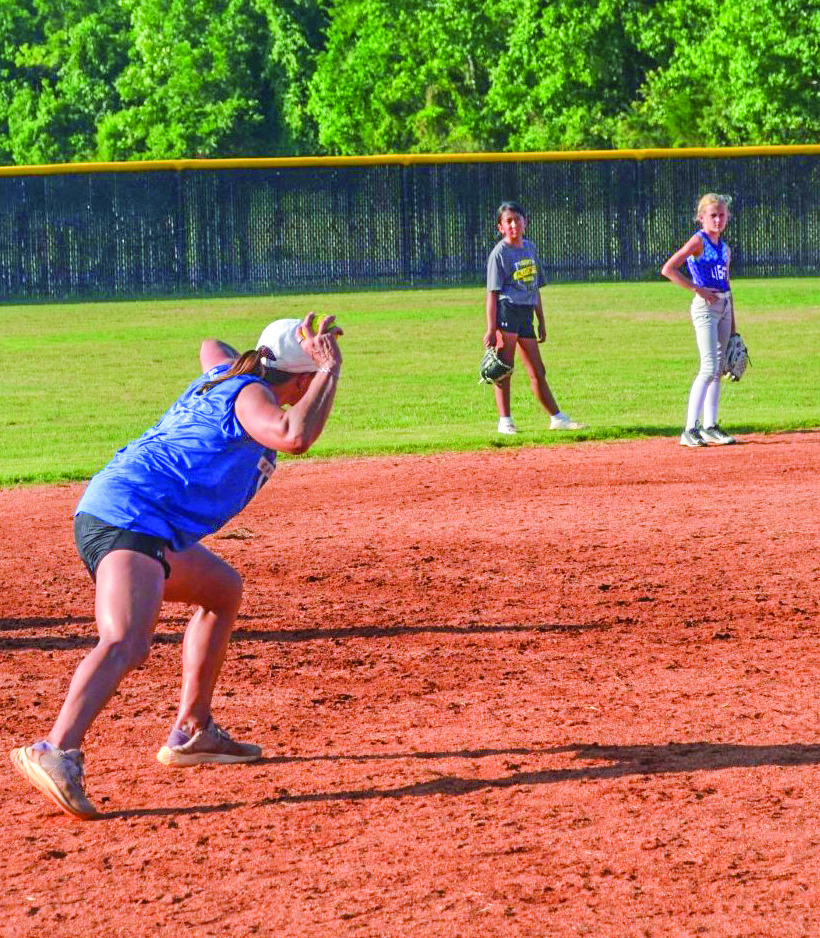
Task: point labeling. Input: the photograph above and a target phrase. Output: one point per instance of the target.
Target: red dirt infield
(570, 690)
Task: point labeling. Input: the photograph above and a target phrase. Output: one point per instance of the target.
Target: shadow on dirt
(687, 757)
(628, 433)
(621, 762)
(672, 758)
(285, 636)
(396, 631)
(42, 623)
(393, 756)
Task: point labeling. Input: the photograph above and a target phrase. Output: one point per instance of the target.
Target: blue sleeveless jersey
(711, 269)
(188, 475)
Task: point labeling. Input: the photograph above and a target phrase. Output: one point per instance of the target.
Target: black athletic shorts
(95, 539)
(513, 318)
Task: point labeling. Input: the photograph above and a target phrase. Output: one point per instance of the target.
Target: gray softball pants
(713, 326)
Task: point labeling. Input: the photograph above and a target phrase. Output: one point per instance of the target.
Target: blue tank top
(188, 475)
(711, 269)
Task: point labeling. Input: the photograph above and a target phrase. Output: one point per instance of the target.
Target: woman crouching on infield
(137, 528)
(707, 257)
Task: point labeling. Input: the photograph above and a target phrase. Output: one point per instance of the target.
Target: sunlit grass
(78, 381)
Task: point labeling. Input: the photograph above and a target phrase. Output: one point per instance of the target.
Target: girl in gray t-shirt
(514, 280)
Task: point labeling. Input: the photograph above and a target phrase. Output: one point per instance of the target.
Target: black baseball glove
(493, 370)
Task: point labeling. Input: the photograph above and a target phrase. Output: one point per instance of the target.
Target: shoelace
(218, 731)
(74, 770)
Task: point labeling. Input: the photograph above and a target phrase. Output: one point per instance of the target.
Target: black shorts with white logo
(512, 317)
(95, 539)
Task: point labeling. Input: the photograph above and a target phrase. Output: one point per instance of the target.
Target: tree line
(91, 80)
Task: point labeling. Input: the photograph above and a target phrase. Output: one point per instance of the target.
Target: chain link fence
(263, 226)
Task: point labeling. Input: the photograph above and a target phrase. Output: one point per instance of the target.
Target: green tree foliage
(745, 73)
(17, 26)
(567, 71)
(405, 75)
(210, 78)
(58, 62)
(137, 79)
(566, 74)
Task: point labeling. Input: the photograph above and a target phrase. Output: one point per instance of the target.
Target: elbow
(300, 445)
(296, 444)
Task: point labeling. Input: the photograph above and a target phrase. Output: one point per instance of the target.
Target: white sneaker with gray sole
(715, 434)
(692, 438)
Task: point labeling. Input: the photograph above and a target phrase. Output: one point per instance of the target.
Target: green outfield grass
(78, 381)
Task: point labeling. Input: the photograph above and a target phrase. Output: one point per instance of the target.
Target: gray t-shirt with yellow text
(515, 273)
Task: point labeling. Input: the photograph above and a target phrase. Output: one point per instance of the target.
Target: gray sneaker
(209, 745)
(714, 434)
(58, 774)
(692, 438)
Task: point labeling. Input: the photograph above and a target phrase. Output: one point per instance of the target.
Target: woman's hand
(322, 345)
(309, 394)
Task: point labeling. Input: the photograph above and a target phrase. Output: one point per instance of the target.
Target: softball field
(558, 691)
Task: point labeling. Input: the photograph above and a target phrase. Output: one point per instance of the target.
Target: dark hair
(516, 207)
(250, 363)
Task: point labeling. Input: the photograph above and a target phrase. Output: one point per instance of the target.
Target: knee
(127, 653)
(235, 589)
(226, 594)
(709, 369)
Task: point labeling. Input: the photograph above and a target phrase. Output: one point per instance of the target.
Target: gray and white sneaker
(211, 744)
(692, 438)
(714, 434)
(58, 774)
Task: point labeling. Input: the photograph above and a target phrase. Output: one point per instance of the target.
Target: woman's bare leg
(127, 603)
(204, 580)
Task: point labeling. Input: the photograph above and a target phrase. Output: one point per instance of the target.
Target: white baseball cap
(281, 337)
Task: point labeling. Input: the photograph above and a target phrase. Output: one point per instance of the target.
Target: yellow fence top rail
(408, 159)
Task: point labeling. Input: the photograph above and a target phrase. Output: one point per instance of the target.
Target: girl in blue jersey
(707, 257)
(138, 527)
(515, 276)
